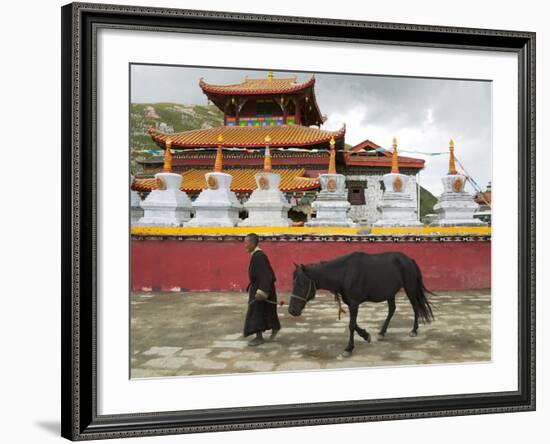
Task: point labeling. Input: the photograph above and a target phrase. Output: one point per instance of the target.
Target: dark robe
(261, 315)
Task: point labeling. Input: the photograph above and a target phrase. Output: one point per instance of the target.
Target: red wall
(164, 265)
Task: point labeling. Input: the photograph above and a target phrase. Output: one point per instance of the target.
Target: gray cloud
(422, 113)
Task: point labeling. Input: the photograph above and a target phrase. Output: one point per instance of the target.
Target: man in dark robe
(262, 298)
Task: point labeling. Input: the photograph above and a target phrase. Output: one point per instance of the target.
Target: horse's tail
(418, 297)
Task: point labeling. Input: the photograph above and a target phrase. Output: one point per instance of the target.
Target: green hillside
(172, 117)
(427, 202)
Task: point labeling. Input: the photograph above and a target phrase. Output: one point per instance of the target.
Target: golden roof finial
(219, 163)
(332, 160)
(270, 76)
(394, 161)
(167, 167)
(452, 166)
(267, 156)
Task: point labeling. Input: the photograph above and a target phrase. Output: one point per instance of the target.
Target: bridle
(311, 285)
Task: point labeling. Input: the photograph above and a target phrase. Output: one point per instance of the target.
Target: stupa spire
(219, 162)
(452, 166)
(332, 161)
(394, 161)
(267, 156)
(167, 167)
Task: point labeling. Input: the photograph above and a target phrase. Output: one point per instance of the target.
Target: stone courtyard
(181, 334)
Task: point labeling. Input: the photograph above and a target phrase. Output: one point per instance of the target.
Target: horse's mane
(336, 261)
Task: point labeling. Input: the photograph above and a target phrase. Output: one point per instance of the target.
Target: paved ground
(178, 334)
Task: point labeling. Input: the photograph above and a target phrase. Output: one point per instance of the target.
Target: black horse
(359, 277)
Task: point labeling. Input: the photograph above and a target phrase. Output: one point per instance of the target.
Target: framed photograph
(274, 221)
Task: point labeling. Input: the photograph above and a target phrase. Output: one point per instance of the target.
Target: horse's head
(303, 290)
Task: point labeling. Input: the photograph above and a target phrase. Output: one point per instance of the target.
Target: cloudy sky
(423, 114)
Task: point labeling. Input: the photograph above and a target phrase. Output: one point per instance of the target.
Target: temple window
(264, 107)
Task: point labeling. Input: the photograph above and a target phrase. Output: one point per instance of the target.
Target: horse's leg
(409, 291)
(391, 311)
(363, 333)
(414, 331)
(352, 325)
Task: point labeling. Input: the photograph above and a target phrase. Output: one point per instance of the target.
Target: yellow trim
(213, 231)
(481, 231)
(242, 231)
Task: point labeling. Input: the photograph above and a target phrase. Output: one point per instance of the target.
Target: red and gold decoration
(263, 182)
(397, 185)
(458, 185)
(161, 184)
(212, 183)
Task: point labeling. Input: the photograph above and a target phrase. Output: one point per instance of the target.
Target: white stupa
(455, 207)
(167, 205)
(216, 205)
(267, 205)
(397, 205)
(331, 204)
(136, 212)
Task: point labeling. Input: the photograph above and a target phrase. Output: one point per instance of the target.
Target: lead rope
(338, 299)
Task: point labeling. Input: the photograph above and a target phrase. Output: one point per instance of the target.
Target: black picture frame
(80, 420)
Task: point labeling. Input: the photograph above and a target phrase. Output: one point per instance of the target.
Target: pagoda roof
(251, 136)
(269, 85)
(292, 179)
(359, 156)
(483, 198)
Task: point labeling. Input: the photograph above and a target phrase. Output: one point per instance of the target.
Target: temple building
(484, 201)
(285, 112)
(364, 166)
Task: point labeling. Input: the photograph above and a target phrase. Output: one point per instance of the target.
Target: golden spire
(332, 161)
(394, 162)
(452, 167)
(167, 168)
(267, 156)
(270, 76)
(218, 163)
